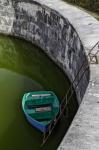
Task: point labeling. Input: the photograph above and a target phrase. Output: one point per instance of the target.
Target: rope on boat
(66, 99)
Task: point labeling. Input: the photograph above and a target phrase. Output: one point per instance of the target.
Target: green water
(24, 68)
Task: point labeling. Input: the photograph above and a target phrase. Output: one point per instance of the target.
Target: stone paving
(84, 131)
(83, 134)
(86, 25)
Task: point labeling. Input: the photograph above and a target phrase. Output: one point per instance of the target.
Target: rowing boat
(40, 108)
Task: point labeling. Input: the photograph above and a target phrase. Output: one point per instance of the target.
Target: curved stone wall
(49, 30)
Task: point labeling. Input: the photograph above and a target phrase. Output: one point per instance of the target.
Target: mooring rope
(66, 99)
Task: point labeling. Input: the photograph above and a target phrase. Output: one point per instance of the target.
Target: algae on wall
(89, 4)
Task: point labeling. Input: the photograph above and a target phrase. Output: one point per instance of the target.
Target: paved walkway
(86, 25)
(84, 131)
(83, 134)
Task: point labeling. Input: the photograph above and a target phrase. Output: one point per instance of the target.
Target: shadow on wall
(56, 36)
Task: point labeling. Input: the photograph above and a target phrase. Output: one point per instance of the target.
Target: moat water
(24, 68)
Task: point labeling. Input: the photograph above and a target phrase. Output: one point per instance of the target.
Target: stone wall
(49, 30)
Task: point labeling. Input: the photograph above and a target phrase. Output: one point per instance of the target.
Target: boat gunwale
(34, 120)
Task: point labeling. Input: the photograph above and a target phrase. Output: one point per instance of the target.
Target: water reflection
(24, 67)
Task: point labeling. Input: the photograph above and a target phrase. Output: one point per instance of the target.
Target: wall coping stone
(85, 24)
(83, 133)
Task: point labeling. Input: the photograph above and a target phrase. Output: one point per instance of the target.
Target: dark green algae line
(23, 68)
(22, 57)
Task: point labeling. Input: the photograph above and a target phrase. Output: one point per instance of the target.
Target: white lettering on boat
(37, 95)
(43, 109)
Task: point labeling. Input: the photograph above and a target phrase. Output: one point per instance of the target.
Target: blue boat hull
(36, 124)
(51, 99)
